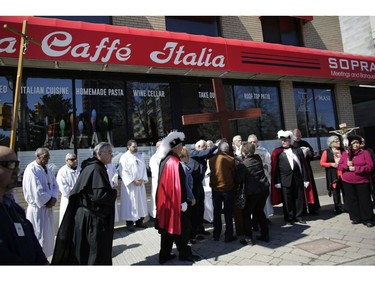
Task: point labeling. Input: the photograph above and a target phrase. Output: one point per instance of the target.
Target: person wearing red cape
(289, 179)
(172, 213)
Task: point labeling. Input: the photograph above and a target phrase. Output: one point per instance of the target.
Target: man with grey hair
(198, 166)
(85, 235)
(222, 182)
(41, 191)
(237, 143)
(66, 178)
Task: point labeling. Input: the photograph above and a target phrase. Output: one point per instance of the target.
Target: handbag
(241, 198)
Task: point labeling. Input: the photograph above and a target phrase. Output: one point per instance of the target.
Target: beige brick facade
(344, 105)
(288, 106)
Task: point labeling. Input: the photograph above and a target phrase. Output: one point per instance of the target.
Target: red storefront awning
(87, 46)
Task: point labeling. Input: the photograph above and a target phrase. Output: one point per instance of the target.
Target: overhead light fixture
(57, 66)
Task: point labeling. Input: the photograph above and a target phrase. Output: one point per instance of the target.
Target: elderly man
(66, 178)
(198, 166)
(85, 235)
(289, 179)
(41, 191)
(18, 243)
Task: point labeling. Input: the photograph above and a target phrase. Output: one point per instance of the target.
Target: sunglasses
(73, 159)
(11, 164)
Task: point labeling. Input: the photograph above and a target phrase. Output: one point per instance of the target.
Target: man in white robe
(41, 191)
(154, 166)
(66, 179)
(132, 170)
(266, 159)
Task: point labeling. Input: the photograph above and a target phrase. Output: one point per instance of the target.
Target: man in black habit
(85, 235)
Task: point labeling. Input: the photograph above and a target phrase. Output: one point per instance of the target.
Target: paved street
(325, 240)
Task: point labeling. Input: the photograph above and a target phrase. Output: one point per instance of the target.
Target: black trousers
(254, 207)
(181, 241)
(197, 211)
(293, 200)
(358, 200)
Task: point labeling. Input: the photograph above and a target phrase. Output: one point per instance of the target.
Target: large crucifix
(222, 115)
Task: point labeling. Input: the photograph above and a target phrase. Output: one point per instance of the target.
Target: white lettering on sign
(177, 55)
(351, 64)
(257, 96)
(3, 89)
(57, 44)
(324, 98)
(206, 95)
(149, 93)
(37, 90)
(7, 45)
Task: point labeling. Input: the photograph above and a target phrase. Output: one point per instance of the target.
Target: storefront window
(44, 115)
(101, 112)
(267, 99)
(199, 98)
(149, 109)
(315, 113)
(6, 109)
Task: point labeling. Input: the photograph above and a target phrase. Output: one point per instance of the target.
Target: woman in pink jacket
(356, 166)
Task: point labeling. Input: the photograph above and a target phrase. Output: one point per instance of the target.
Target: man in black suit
(289, 177)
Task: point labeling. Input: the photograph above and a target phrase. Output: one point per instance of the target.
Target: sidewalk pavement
(326, 240)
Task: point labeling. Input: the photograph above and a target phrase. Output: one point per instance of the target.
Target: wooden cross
(222, 115)
(23, 47)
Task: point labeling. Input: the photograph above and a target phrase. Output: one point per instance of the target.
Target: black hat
(355, 137)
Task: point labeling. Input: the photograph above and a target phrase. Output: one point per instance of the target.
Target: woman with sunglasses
(356, 166)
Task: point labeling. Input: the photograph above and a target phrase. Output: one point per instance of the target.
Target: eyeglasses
(11, 164)
(73, 159)
(109, 153)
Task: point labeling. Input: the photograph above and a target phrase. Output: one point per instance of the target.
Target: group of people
(88, 208)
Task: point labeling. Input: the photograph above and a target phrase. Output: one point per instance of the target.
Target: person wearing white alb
(41, 191)
(132, 170)
(154, 164)
(66, 179)
(113, 179)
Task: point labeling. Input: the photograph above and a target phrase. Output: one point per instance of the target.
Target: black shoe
(193, 241)
(191, 258)
(370, 224)
(289, 222)
(356, 222)
(230, 239)
(164, 260)
(337, 211)
(199, 237)
(141, 225)
(204, 232)
(264, 238)
(247, 242)
(313, 213)
(130, 228)
(300, 220)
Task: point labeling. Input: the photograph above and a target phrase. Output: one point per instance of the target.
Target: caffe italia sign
(80, 42)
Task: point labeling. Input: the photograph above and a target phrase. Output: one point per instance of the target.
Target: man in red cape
(290, 184)
(172, 214)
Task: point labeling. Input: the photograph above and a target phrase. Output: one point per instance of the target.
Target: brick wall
(323, 33)
(242, 28)
(344, 105)
(287, 101)
(148, 22)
